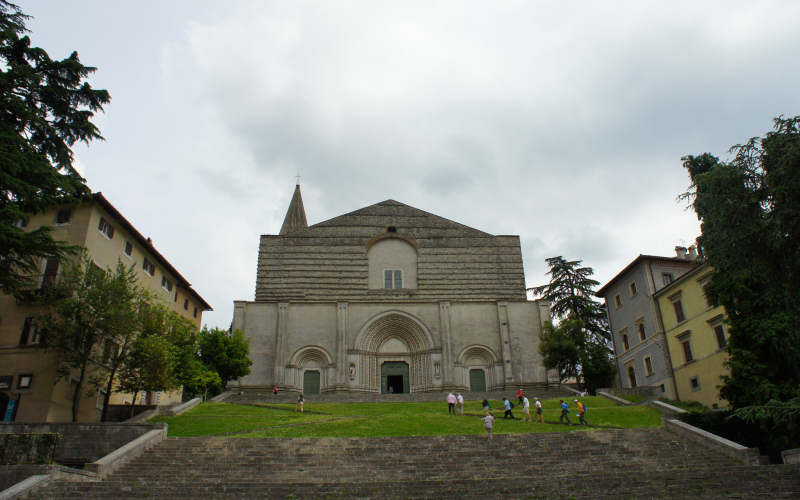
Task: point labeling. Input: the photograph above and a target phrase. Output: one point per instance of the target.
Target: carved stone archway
(395, 336)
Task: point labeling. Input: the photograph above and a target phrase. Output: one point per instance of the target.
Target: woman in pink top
(451, 404)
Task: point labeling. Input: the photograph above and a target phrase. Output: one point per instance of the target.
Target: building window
(719, 332)
(29, 334)
(667, 278)
(101, 398)
(166, 284)
(175, 299)
(625, 342)
(678, 307)
(694, 382)
(148, 267)
(642, 334)
(50, 273)
(106, 228)
(25, 381)
(632, 376)
(186, 304)
(64, 216)
(195, 312)
(648, 366)
(634, 291)
(109, 350)
(687, 350)
(617, 301)
(128, 248)
(663, 389)
(392, 278)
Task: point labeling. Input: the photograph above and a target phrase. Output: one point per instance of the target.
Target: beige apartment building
(30, 389)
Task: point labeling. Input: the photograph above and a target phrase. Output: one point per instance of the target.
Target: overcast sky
(562, 122)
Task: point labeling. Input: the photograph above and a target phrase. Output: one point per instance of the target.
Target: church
(389, 299)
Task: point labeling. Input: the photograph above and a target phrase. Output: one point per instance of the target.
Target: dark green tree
(578, 344)
(749, 209)
(226, 353)
(46, 107)
(571, 293)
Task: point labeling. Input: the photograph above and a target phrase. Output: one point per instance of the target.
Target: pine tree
(749, 209)
(46, 107)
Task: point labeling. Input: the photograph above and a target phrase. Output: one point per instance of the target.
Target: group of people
(488, 419)
(455, 403)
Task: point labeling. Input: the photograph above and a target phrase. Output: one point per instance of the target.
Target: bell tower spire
(296, 215)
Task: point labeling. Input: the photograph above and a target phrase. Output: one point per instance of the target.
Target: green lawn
(390, 419)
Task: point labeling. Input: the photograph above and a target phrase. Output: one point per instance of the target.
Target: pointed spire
(296, 215)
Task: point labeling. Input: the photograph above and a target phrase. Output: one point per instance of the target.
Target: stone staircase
(629, 463)
(255, 396)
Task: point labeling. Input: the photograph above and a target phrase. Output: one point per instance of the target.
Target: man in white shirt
(539, 415)
(526, 409)
(460, 403)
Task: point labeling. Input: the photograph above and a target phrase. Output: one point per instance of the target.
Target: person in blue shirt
(564, 413)
(507, 405)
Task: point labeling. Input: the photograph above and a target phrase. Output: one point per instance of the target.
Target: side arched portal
(477, 364)
(310, 369)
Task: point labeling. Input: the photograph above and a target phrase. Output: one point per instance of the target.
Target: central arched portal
(394, 354)
(394, 377)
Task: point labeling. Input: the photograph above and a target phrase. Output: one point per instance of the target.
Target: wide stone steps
(630, 463)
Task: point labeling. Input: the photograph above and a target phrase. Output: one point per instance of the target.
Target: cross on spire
(298, 178)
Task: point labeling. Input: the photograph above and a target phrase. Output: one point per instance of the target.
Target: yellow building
(29, 387)
(696, 335)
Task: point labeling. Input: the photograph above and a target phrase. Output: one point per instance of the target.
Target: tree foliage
(226, 353)
(150, 366)
(578, 345)
(571, 293)
(749, 209)
(46, 107)
(87, 308)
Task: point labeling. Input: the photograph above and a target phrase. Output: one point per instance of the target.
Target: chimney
(681, 252)
(692, 252)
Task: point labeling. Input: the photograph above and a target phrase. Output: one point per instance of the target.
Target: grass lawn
(391, 419)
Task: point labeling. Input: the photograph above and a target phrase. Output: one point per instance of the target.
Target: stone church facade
(389, 299)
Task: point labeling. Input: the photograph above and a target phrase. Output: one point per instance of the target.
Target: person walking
(460, 403)
(526, 409)
(300, 402)
(564, 413)
(451, 404)
(538, 406)
(520, 395)
(581, 412)
(488, 423)
(486, 406)
(507, 405)
(274, 390)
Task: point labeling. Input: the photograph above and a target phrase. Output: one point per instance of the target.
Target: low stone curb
(221, 397)
(621, 401)
(750, 456)
(667, 409)
(177, 410)
(22, 488)
(113, 460)
(791, 456)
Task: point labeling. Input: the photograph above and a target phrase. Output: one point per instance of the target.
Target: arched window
(392, 264)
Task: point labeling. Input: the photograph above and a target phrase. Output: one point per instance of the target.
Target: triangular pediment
(391, 213)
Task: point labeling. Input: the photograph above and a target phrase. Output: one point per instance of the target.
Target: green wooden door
(477, 381)
(394, 369)
(311, 382)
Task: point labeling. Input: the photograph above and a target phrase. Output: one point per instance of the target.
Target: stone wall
(28, 448)
(83, 442)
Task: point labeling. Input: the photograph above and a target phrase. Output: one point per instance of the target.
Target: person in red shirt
(520, 395)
